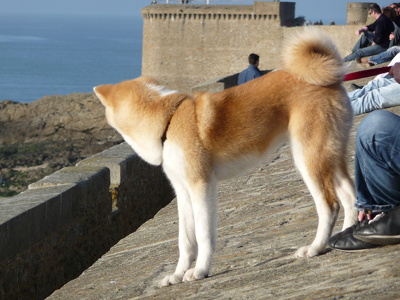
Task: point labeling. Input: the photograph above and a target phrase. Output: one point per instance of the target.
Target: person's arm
(364, 29)
(395, 72)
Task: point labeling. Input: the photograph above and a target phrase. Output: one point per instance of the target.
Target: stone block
(29, 217)
(116, 159)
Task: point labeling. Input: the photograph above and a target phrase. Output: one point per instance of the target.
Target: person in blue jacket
(252, 71)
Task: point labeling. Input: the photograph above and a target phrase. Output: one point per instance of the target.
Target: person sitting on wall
(381, 92)
(375, 38)
(252, 71)
(396, 7)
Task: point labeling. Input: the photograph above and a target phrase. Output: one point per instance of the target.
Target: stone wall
(62, 224)
(185, 45)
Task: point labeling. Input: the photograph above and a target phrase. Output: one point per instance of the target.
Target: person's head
(254, 59)
(389, 12)
(375, 10)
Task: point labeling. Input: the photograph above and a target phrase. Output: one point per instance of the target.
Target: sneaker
(345, 240)
(384, 230)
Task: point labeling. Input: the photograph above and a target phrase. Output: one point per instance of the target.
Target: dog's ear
(103, 93)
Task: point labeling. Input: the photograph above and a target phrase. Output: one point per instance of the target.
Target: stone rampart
(62, 224)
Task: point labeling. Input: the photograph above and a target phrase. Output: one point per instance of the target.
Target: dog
(204, 138)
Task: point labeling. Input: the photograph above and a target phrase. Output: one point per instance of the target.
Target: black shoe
(383, 231)
(356, 86)
(345, 240)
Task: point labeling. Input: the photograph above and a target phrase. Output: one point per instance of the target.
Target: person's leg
(379, 93)
(377, 162)
(364, 41)
(367, 51)
(371, 85)
(385, 56)
(377, 173)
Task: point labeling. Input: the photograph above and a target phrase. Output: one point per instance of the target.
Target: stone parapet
(54, 230)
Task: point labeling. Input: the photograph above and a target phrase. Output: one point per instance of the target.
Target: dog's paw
(307, 251)
(171, 279)
(194, 274)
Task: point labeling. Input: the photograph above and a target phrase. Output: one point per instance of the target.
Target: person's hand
(391, 36)
(364, 29)
(395, 72)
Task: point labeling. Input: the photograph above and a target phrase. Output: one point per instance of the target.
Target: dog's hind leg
(318, 172)
(346, 194)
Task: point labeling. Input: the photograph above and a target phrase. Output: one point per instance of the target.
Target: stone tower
(357, 13)
(183, 45)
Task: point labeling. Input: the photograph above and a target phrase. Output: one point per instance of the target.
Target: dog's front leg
(187, 239)
(204, 203)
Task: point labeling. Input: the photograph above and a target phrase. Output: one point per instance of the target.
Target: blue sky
(311, 9)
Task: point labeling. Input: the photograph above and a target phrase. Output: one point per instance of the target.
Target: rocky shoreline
(39, 138)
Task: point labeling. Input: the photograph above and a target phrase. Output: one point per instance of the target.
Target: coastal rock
(48, 134)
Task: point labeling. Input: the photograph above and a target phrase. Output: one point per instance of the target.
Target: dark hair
(375, 8)
(253, 58)
(389, 12)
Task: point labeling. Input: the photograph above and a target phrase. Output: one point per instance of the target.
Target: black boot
(345, 240)
(383, 231)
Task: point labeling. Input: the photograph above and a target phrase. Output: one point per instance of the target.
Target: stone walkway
(264, 216)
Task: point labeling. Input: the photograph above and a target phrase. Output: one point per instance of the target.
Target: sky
(313, 10)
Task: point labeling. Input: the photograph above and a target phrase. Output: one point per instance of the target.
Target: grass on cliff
(21, 165)
(10, 182)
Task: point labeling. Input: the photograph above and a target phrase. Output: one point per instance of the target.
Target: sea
(61, 54)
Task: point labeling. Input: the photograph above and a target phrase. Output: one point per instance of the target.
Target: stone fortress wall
(186, 45)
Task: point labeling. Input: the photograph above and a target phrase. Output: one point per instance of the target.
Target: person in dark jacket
(252, 71)
(376, 35)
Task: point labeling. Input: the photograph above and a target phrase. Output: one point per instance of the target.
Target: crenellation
(209, 16)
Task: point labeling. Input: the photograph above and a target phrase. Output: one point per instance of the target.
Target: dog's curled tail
(312, 56)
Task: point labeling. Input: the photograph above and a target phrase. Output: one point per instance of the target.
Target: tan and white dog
(207, 137)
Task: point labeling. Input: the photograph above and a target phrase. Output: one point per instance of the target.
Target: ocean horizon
(58, 55)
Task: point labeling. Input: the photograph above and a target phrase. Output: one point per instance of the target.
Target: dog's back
(303, 100)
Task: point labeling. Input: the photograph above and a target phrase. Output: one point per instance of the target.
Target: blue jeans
(385, 56)
(379, 93)
(377, 162)
(361, 48)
